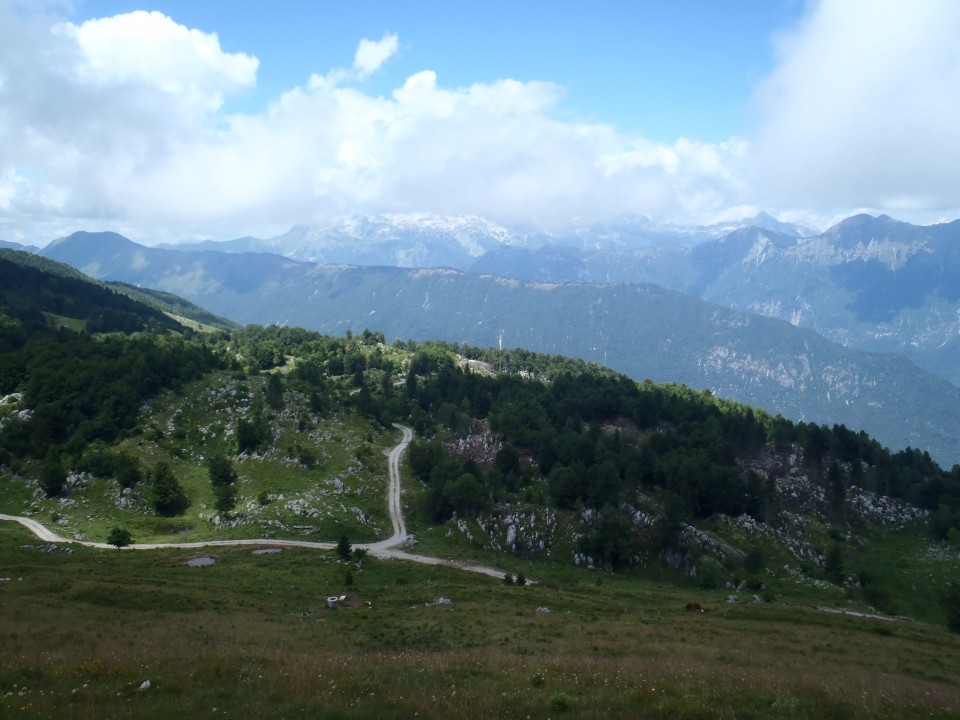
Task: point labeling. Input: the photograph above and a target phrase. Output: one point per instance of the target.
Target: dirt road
(385, 549)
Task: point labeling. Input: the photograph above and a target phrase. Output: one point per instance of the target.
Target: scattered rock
(49, 548)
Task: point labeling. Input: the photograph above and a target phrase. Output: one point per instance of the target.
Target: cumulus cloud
(861, 109)
(150, 48)
(87, 111)
(119, 123)
(371, 54)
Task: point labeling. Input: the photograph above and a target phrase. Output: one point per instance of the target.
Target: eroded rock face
(478, 445)
(511, 536)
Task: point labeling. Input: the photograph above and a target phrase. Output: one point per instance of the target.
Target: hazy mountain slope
(644, 331)
(7, 245)
(402, 240)
(109, 256)
(872, 283)
(26, 259)
(876, 284)
(36, 291)
(173, 305)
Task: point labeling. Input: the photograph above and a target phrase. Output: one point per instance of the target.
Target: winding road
(385, 549)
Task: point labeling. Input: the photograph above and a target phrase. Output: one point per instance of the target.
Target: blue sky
(662, 68)
(170, 120)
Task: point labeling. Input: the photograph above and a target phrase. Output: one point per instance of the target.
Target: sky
(174, 120)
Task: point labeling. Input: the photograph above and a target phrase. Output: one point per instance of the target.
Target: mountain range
(425, 240)
(642, 330)
(872, 283)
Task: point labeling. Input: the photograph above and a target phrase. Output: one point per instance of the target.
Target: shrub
(753, 561)
(52, 477)
(711, 573)
(561, 702)
(119, 537)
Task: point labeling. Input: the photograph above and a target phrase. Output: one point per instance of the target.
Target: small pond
(201, 561)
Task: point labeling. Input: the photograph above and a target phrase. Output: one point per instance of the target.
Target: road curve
(393, 496)
(384, 549)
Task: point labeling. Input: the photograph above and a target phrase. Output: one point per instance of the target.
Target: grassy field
(342, 489)
(251, 636)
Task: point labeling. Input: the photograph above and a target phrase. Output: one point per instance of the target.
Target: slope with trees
(536, 456)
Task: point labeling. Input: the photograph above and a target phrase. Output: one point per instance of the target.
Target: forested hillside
(269, 431)
(642, 463)
(77, 359)
(643, 331)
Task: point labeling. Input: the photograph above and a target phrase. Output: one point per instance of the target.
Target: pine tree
(52, 474)
(952, 606)
(343, 548)
(166, 492)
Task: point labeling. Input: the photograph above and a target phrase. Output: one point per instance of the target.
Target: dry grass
(251, 637)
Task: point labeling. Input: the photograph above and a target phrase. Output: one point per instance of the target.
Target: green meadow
(252, 636)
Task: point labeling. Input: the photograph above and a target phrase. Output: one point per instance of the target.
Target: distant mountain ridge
(873, 283)
(641, 330)
(426, 240)
(7, 245)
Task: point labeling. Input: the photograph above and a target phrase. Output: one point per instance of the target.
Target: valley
(827, 562)
(643, 330)
(480, 360)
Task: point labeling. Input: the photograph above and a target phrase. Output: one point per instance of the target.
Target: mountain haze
(873, 283)
(641, 330)
(426, 240)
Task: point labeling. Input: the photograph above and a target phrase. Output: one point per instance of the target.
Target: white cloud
(87, 111)
(136, 138)
(861, 109)
(371, 54)
(151, 49)
(119, 123)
